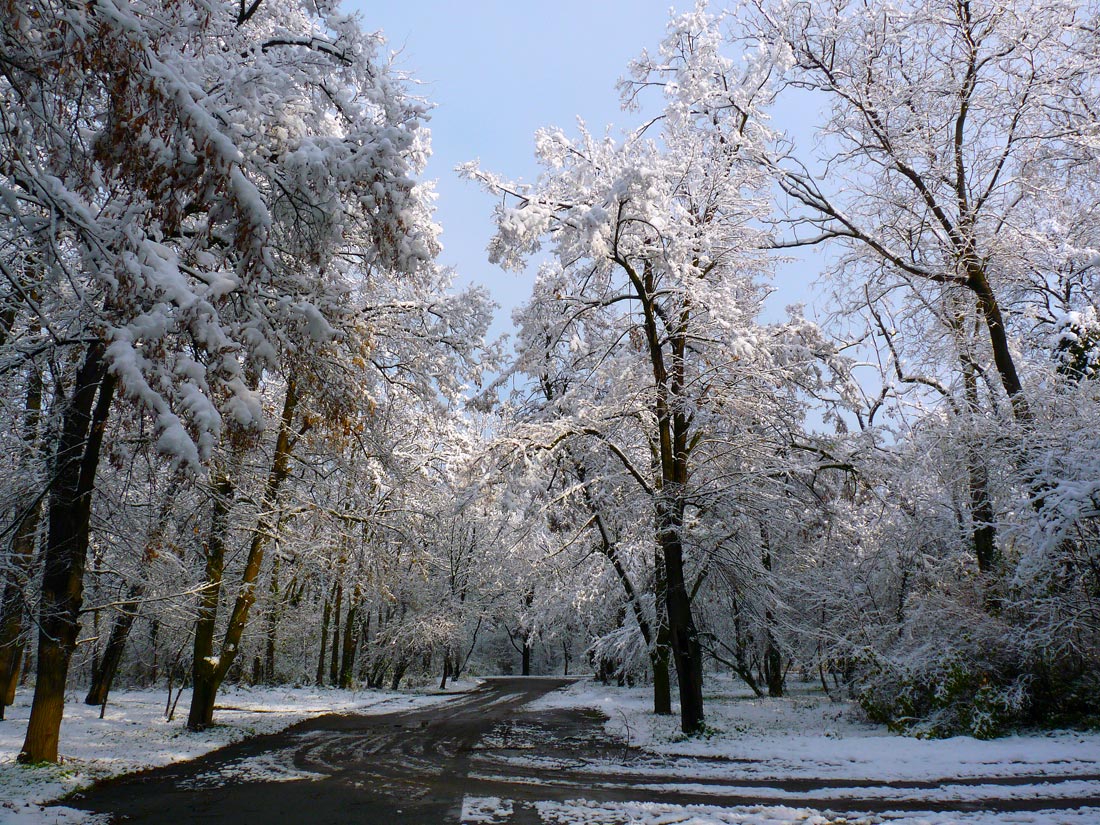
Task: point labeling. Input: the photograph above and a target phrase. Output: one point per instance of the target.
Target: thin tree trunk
(661, 648)
(774, 674)
(446, 670)
(325, 614)
(460, 665)
(351, 639)
(203, 662)
(12, 642)
(154, 634)
(103, 674)
(982, 515)
(211, 671)
(271, 622)
(21, 559)
(66, 551)
(334, 663)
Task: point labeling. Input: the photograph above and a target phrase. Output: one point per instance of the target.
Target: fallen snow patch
(485, 810)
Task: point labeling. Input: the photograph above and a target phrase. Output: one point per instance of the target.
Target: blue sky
(496, 72)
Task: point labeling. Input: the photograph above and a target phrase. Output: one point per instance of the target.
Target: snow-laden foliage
(641, 337)
(186, 181)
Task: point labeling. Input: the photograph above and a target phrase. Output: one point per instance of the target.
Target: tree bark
(23, 545)
(982, 515)
(69, 523)
(211, 671)
(774, 674)
(998, 339)
(203, 663)
(104, 674)
(686, 651)
(326, 612)
(659, 661)
(337, 607)
(271, 623)
(351, 640)
(673, 426)
(11, 625)
(399, 669)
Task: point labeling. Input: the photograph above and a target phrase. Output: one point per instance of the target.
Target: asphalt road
(408, 767)
(415, 768)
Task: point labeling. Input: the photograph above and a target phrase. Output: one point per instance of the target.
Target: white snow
(585, 812)
(485, 810)
(805, 735)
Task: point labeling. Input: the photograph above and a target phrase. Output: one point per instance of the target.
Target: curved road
(416, 767)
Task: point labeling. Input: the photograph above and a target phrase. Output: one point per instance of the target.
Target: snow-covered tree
(657, 253)
(177, 180)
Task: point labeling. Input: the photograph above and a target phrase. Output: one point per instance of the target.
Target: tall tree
(183, 214)
(656, 252)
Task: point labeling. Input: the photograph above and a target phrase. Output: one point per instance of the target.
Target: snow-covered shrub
(1076, 340)
(947, 697)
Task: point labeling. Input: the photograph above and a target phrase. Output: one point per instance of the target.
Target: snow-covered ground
(770, 749)
(805, 735)
(134, 735)
(583, 812)
(795, 759)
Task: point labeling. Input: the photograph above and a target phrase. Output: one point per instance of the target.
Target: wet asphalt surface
(415, 767)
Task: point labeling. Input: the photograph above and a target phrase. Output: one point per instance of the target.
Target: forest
(253, 433)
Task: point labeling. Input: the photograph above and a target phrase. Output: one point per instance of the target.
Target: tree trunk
(326, 612)
(774, 674)
(659, 661)
(398, 674)
(773, 664)
(271, 623)
(673, 452)
(998, 339)
(66, 551)
(213, 670)
(334, 664)
(12, 642)
(686, 652)
(154, 638)
(21, 559)
(661, 649)
(446, 670)
(982, 515)
(203, 663)
(104, 674)
(351, 640)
